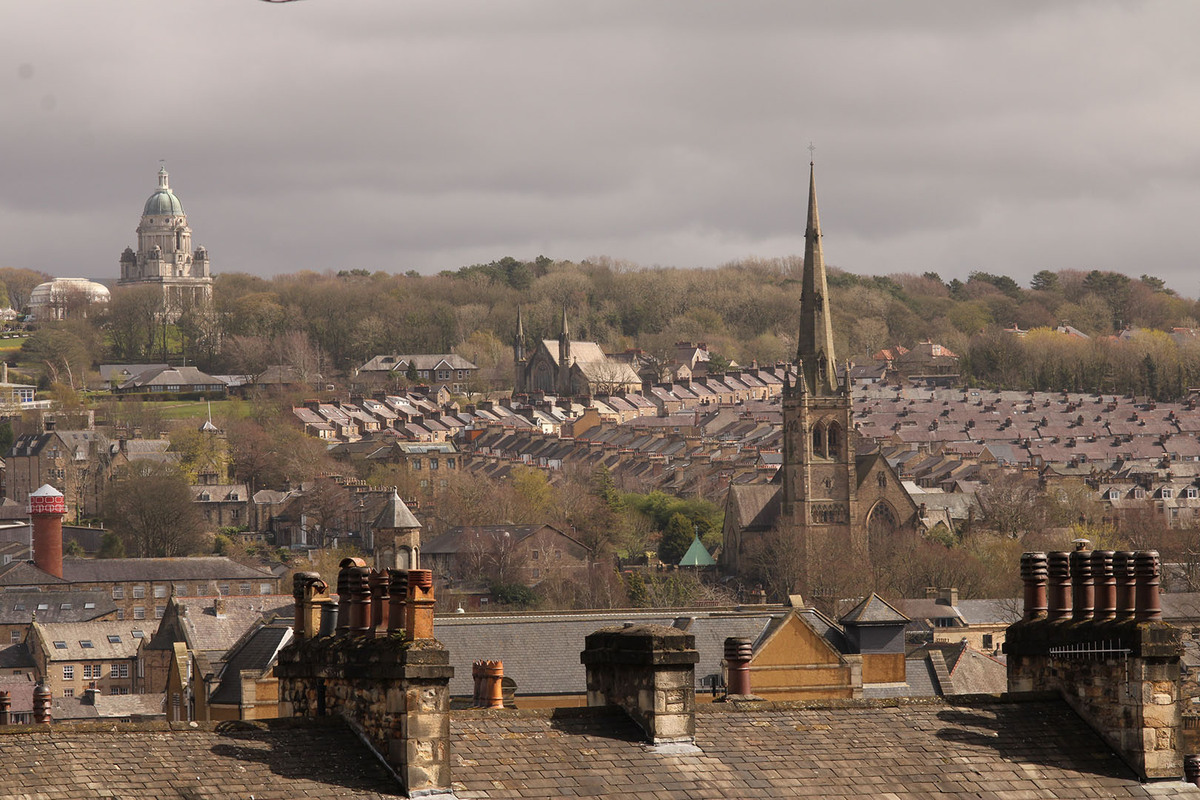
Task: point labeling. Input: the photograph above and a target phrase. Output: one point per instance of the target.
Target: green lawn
(198, 410)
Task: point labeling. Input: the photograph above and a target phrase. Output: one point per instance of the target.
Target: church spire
(519, 344)
(815, 351)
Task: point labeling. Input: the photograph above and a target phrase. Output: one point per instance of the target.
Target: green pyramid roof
(696, 555)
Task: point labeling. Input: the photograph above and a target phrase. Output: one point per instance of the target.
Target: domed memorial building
(165, 257)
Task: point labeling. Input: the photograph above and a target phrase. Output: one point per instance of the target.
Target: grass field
(198, 410)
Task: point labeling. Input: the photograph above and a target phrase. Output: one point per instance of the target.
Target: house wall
(796, 664)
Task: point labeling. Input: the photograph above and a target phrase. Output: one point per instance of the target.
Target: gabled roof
(257, 653)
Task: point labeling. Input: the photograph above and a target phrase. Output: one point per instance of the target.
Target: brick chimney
(47, 507)
(1107, 652)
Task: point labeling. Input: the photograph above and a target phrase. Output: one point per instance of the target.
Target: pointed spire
(566, 328)
(815, 350)
(519, 344)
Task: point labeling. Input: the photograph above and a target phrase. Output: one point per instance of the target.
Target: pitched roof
(256, 653)
(105, 570)
(985, 749)
(275, 759)
(17, 607)
(874, 610)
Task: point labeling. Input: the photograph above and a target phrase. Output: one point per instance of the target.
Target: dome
(163, 202)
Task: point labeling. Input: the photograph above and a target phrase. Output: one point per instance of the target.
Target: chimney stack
(47, 507)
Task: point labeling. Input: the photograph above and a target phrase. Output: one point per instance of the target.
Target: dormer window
(1139, 493)
(1191, 493)
(1167, 493)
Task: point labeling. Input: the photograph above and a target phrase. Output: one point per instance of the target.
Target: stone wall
(1123, 678)
(395, 692)
(649, 671)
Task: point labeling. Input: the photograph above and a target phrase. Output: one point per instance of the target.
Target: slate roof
(395, 514)
(888, 749)
(17, 607)
(120, 570)
(257, 653)
(90, 640)
(874, 610)
(541, 653)
(275, 760)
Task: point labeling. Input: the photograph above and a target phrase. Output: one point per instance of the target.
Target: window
(139, 612)
(537, 573)
(114, 638)
(244, 589)
(14, 637)
(424, 484)
(159, 611)
(483, 601)
(1167, 493)
(987, 641)
(65, 607)
(120, 614)
(119, 671)
(535, 555)
(264, 588)
(416, 464)
(43, 607)
(1190, 493)
(181, 590)
(223, 589)
(433, 463)
(87, 672)
(68, 672)
(60, 645)
(139, 591)
(449, 463)
(118, 593)
(160, 591)
(89, 605)
(139, 634)
(68, 692)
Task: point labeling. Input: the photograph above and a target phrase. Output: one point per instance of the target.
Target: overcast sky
(401, 134)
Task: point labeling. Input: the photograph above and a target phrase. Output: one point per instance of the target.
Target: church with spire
(164, 256)
(827, 499)
(568, 367)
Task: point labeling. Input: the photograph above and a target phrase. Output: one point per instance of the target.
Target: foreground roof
(876, 750)
(281, 760)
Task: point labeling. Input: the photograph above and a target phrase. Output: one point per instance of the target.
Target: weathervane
(811, 150)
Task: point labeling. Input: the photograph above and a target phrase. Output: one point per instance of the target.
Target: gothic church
(826, 495)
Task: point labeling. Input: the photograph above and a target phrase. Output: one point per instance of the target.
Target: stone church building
(165, 257)
(825, 494)
(569, 368)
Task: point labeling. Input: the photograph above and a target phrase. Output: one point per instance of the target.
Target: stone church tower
(827, 501)
(819, 481)
(165, 257)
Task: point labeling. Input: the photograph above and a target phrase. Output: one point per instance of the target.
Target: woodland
(745, 311)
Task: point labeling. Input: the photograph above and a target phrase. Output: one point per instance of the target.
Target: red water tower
(47, 507)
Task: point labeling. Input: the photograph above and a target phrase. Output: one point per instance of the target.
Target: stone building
(165, 257)
(826, 495)
(567, 367)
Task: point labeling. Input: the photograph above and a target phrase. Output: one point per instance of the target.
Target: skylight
(114, 638)
(86, 644)
(60, 645)
(138, 635)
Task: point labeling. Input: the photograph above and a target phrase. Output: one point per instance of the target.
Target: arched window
(881, 526)
(834, 440)
(818, 440)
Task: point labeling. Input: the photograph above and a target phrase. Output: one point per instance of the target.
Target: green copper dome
(163, 202)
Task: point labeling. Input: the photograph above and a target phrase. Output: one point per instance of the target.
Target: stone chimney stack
(47, 507)
(649, 671)
(1104, 647)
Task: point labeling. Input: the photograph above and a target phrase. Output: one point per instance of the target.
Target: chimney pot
(1059, 594)
(5, 708)
(1105, 581)
(1126, 581)
(738, 653)
(1147, 568)
(1083, 590)
(1034, 575)
(42, 702)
